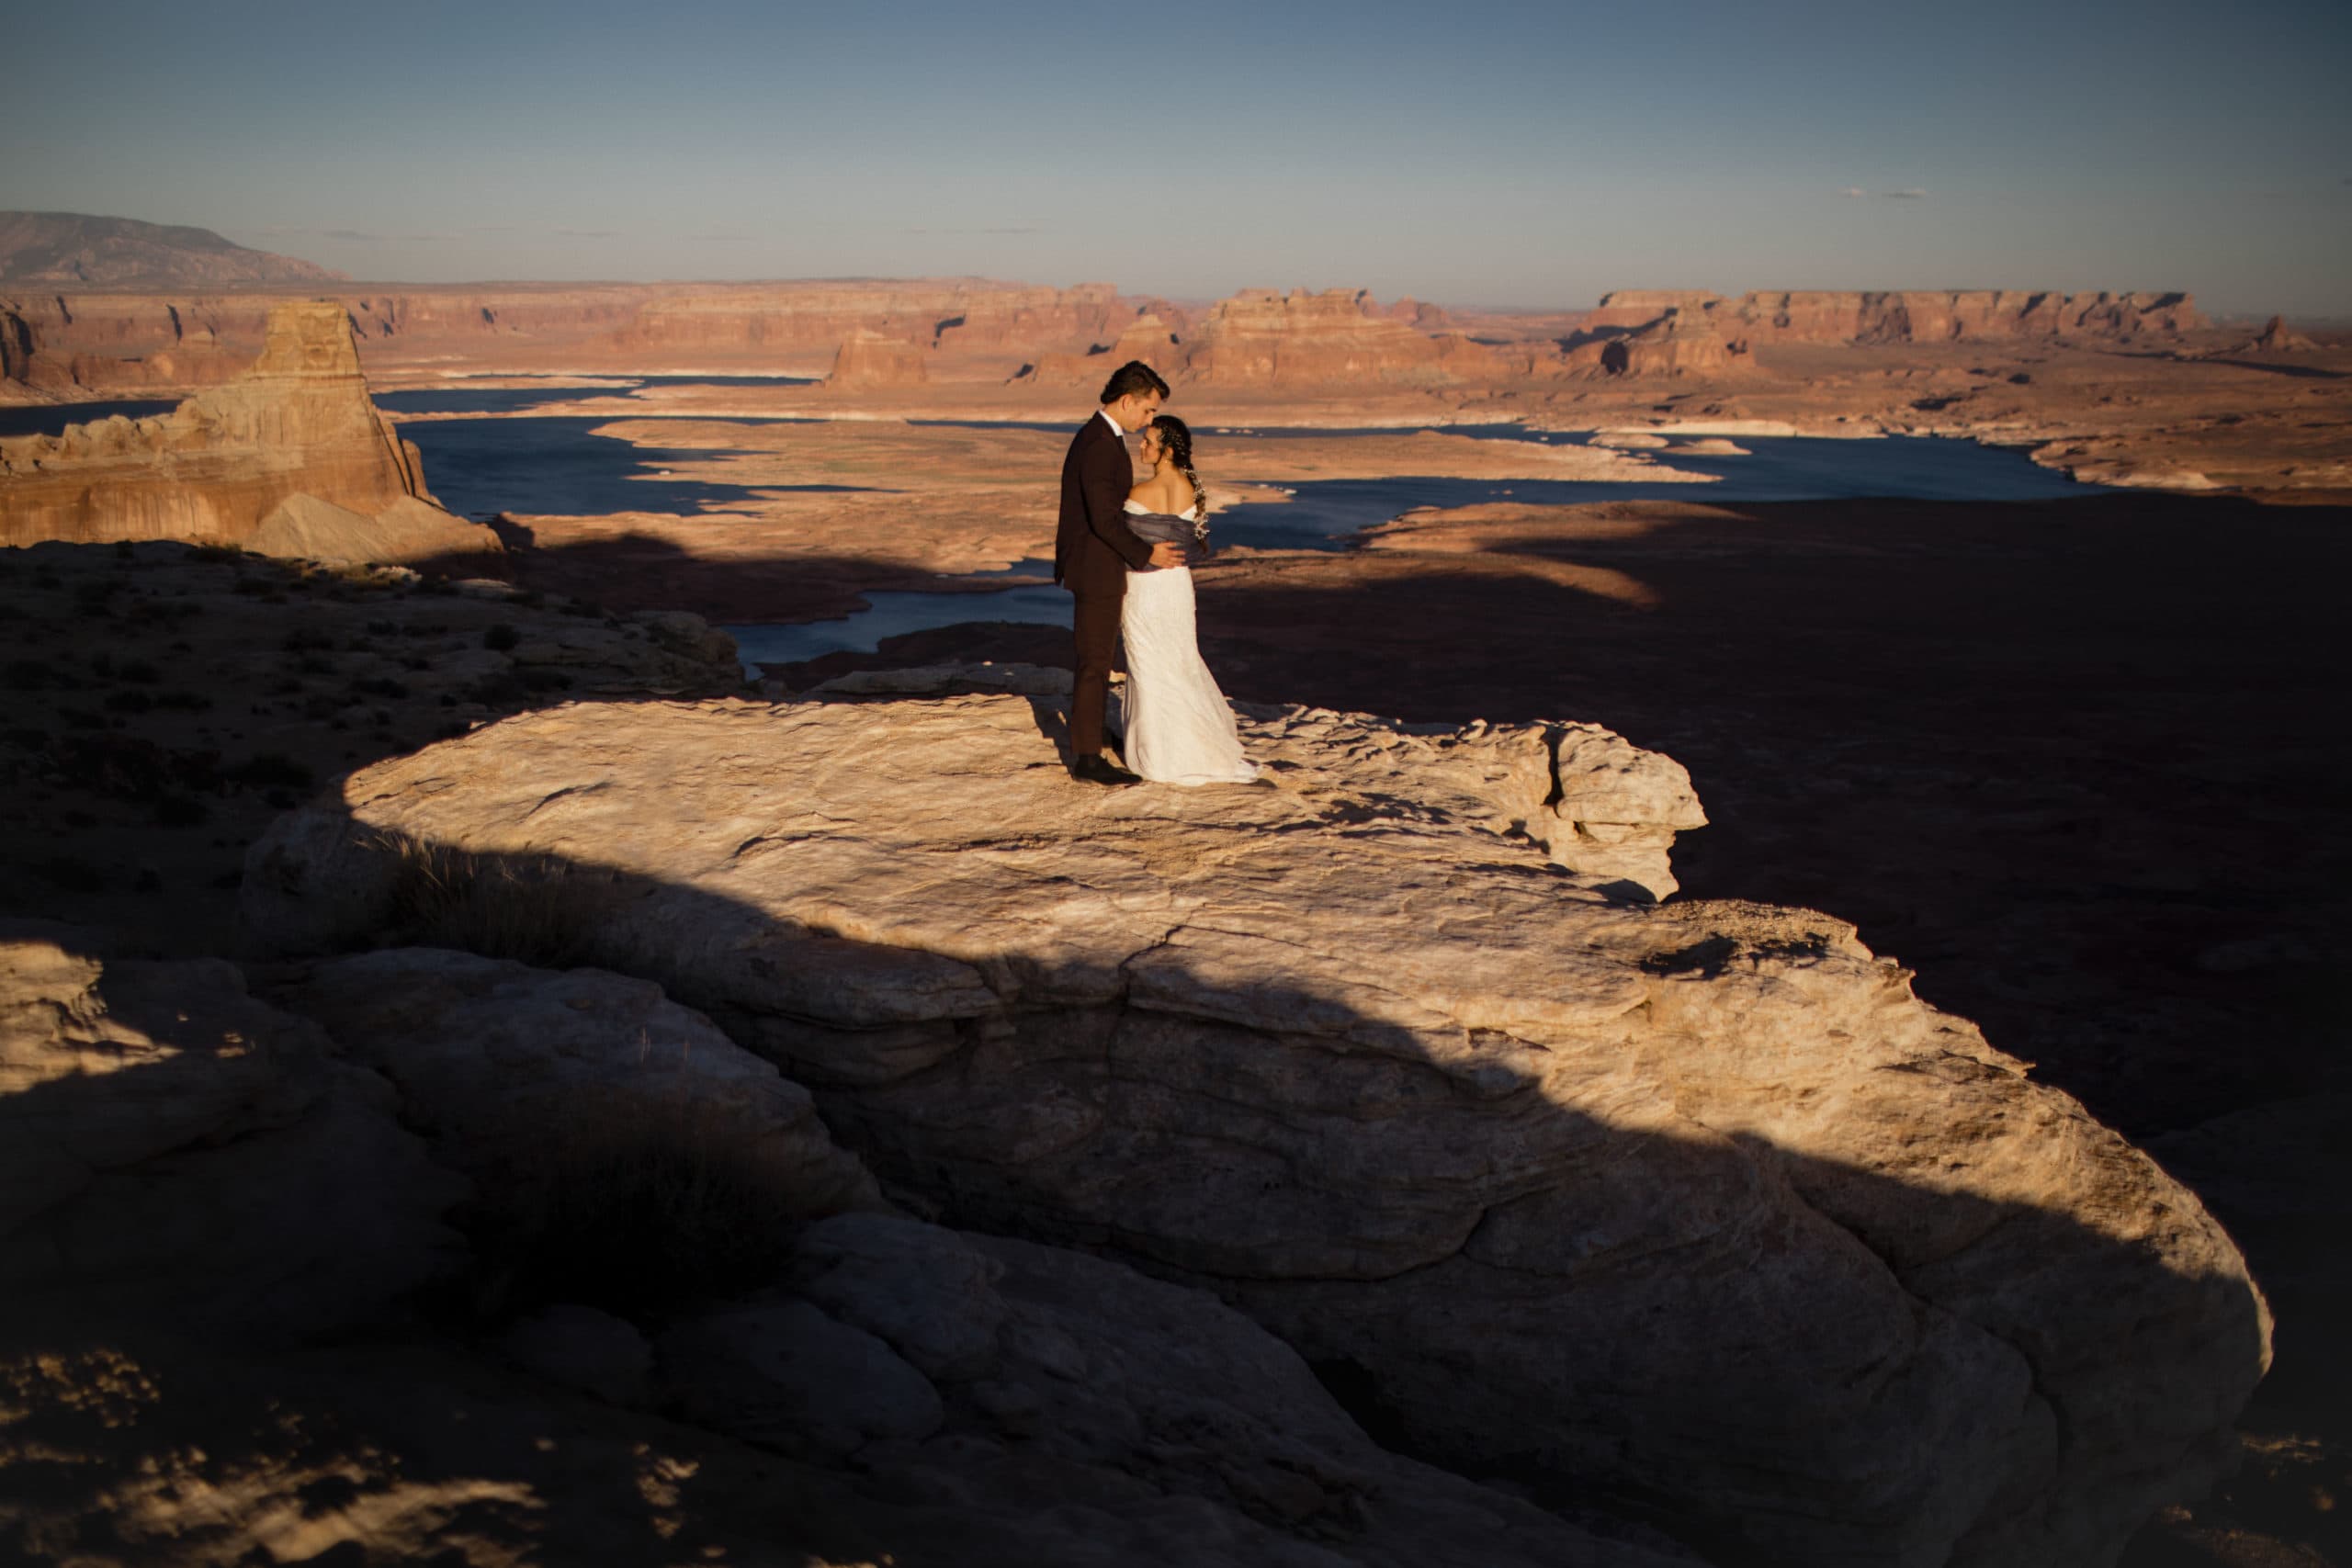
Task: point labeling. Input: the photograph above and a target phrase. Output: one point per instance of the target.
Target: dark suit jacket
(1093, 547)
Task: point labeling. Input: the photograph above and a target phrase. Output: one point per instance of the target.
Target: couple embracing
(1125, 550)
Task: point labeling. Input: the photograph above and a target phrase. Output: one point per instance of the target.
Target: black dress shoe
(1099, 770)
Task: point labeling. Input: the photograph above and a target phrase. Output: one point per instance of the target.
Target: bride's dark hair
(1178, 439)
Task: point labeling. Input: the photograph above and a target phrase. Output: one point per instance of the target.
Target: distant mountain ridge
(82, 249)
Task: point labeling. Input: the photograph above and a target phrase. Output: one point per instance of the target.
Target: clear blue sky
(1471, 153)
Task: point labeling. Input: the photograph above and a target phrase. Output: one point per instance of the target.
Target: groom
(1093, 550)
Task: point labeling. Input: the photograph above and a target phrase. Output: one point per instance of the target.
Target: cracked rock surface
(1690, 1207)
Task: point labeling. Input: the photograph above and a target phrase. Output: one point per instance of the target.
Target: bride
(1178, 728)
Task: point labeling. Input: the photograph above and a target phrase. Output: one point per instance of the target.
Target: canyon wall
(1261, 338)
(69, 344)
(1908, 315)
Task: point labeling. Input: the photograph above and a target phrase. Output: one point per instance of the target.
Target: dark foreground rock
(1694, 1209)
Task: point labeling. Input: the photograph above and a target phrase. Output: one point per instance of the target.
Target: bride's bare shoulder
(1153, 494)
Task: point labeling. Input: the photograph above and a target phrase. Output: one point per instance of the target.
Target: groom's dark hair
(1133, 378)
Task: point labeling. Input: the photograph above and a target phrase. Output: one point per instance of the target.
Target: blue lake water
(552, 464)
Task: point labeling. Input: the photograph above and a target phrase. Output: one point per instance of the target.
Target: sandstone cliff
(871, 359)
(1682, 342)
(291, 456)
(1694, 1208)
(1260, 338)
(1908, 315)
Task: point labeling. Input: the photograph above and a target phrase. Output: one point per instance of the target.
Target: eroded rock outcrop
(871, 359)
(1682, 342)
(1908, 316)
(166, 1139)
(1696, 1208)
(1260, 338)
(291, 456)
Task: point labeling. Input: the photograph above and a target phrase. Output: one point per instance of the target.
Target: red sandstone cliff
(290, 456)
(873, 359)
(1682, 342)
(1908, 315)
(78, 344)
(1260, 338)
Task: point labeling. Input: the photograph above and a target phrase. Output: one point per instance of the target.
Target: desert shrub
(272, 770)
(546, 913)
(184, 700)
(215, 553)
(497, 691)
(383, 628)
(538, 678)
(302, 639)
(500, 638)
(632, 1206)
(378, 686)
(130, 699)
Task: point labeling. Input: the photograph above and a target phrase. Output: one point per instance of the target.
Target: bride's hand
(1165, 554)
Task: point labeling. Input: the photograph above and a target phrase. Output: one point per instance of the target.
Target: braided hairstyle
(1176, 439)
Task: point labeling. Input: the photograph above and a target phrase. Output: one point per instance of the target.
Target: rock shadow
(1789, 1359)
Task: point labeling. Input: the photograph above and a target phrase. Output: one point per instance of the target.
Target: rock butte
(1690, 1208)
(291, 458)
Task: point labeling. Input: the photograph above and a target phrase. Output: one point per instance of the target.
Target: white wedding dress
(1176, 726)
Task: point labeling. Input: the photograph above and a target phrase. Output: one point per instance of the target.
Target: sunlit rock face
(869, 359)
(1260, 338)
(1908, 316)
(1695, 1208)
(291, 456)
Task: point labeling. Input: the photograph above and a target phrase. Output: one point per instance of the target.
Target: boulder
(496, 1062)
(1696, 1207)
(407, 530)
(582, 1348)
(1053, 1371)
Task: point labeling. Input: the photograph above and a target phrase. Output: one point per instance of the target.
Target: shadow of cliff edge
(1789, 1361)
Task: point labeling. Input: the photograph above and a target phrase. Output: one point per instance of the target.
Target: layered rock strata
(291, 459)
(1695, 1208)
(871, 359)
(1260, 338)
(1909, 316)
(1682, 342)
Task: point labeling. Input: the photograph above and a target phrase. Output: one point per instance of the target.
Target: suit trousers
(1094, 633)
